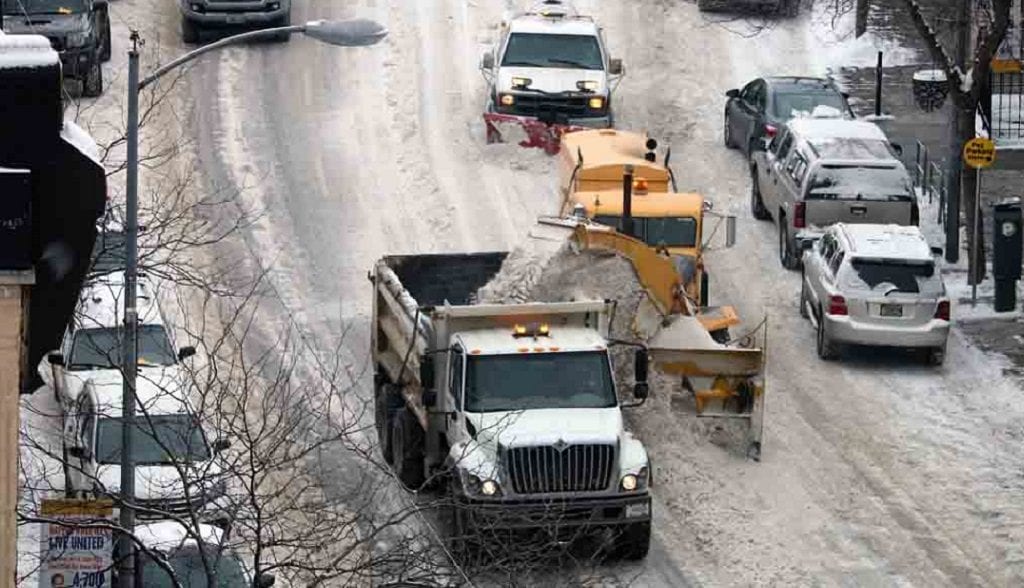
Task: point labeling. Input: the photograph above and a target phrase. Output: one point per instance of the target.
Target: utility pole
(954, 179)
(126, 549)
(861, 21)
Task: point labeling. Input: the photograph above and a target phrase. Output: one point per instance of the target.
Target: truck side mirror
(937, 251)
(898, 149)
(615, 67)
(79, 453)
(186, 352)
(730, 230)
(641, 362)
(426, 372)
(220, 445)
(734, 93)
(487, 61)
(55, 358)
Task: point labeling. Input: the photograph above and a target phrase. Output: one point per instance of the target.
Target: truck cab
(79, 30)
(199, 15)
(551, 63)
(514, 404)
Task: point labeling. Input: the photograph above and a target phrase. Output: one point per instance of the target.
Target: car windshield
(541, 380)
(860, 182)
(100, 348)
(108, 254)
(191, 571)
(891, 276)
(788, 105)
(668, 231)
(565, 51)
(160, 439)
(44, 6)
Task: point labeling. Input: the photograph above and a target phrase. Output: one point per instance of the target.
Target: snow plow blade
(526, 131)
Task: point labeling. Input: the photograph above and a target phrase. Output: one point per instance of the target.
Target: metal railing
(930, 179)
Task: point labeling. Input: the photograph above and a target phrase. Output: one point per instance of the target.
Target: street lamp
(345, 33)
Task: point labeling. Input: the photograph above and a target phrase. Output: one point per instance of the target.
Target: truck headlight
(596, 103)
(77, 40)
(475, 486)
(489, 488)
(629, 482)
(507, 99)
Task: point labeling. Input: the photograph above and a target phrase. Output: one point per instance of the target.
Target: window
(787, 143)
(749, 93)
(193, 569)
(539, 380)
(826, 247)
(799, 168)
(44, 6)
(455, 374)
(654, 231)
(760, 96)
(561, 51)
(790, 104)
(101, 348)
(885, 276)
(163, 439)
(777, 141)
(836, 262)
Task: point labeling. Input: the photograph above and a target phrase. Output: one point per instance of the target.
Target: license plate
(235, 19)
(891, 310)
(858, 210)
(637, 510)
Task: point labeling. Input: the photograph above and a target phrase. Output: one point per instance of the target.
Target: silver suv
(819, 171)
(875, 285)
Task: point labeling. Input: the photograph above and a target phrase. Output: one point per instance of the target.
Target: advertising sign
(75, 551)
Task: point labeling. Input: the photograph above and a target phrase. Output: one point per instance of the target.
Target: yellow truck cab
(591, 167)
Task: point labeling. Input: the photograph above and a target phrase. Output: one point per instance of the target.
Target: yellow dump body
(605, 153)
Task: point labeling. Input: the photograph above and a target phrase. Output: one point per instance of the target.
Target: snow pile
(24, 51)
(83, 141)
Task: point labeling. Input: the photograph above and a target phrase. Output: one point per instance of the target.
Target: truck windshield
(564, 51)
(541, 380)
(100, 348)
(860, 182)
(163, 439)
(670, 231)
(44, 6)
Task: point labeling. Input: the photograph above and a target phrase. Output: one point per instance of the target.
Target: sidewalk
(906, 123)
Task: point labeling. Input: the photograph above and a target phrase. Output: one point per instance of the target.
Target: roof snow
(24, 51)
(76, 136)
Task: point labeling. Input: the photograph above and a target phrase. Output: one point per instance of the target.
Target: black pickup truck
(79, 31)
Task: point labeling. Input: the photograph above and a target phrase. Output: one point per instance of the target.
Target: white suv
(869, 284)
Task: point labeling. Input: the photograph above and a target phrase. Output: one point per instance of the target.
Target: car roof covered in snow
(167, 536)
(101, 303)
(872, 241)
(835, 138)
(792, 83)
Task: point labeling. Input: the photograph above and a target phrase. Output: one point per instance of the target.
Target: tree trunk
(968, 185)
(861, 23)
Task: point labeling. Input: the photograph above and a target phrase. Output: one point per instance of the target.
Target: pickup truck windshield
(860, 182)
(564, 51)
(163, 439)
(100, 348)
(44, 6)
(539, 380)
(670, 231)
(792, 104)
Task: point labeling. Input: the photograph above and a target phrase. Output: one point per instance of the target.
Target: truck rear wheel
(189, 31)
(407, 449)
(634, 541)
(387, 400)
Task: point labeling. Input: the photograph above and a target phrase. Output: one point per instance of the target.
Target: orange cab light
(554, 348)
(523, 350)
(538, 349)
(475, 352)
(640, 186)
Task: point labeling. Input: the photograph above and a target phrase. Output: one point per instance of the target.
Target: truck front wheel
(407, 449)
(634, 541)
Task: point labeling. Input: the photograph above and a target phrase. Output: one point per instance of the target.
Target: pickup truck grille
(573, 468)
(552, 106)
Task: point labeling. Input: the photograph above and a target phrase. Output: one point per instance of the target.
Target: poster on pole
(76, 548)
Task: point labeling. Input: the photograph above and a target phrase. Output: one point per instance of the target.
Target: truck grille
(572, 468)
(551, 106)
(165, 507)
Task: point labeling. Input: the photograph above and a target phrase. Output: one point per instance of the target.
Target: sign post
(979, 153)
(77, 543)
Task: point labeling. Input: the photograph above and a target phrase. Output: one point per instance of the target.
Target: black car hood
(50, 25)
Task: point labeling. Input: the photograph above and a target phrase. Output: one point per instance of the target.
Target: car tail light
(837, 305)
(770, 131)
(942, 310)
(800, 215)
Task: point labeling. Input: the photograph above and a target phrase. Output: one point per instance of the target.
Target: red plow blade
(526, 131)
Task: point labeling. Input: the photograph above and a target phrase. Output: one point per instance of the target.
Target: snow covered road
(876, 471)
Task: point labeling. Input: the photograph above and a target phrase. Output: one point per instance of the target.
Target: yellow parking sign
(979, 152)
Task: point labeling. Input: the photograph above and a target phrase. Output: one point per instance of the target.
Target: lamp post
(346, 33)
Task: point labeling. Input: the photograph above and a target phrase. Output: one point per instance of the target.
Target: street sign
(77, 543)
(979, 152)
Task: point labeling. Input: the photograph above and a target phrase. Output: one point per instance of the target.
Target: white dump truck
(512, 408)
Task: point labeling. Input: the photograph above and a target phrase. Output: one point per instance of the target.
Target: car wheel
(786, 257)
(285, 21)
(189, 31)
(827, 350)
(105, 32)
(92, 83)
(727, 131)
(804, 298)
(407, 449)
(936, 355)
(757, 208)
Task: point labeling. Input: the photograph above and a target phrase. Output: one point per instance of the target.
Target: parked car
(79, 30)
(198, 15)
(188, 553)
(758, 110)
(816, 172)
(871, 284)
(788, 8)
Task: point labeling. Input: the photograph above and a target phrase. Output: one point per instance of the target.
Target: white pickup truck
(513, 406)
(551, 64)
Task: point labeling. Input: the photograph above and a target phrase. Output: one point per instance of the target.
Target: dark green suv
(79, 31)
